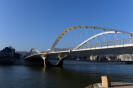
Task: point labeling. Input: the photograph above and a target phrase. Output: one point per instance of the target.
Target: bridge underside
(38, 60)
(107, 51)
(116, 50)
(34, 60)
(44, 60)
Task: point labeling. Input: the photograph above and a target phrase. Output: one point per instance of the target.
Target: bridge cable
(81, 37)
(97, 38)
(72, 40)
(65, 42)
(123, 38)
(115, 41)
(103, 40)
(68, 39)
(108, 40)
(87, 38)
(130, 39)
(75, 38)
(94, 35)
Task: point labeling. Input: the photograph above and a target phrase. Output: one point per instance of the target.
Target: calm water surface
(70, 76)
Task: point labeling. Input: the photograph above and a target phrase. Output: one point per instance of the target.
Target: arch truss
(105, 31)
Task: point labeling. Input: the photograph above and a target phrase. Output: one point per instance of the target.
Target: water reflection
(70, 76)
(66, 78)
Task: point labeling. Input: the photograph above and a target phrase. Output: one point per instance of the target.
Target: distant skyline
(26, 24)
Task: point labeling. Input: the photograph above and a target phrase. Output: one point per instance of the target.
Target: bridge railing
(112, 43)
(105, 44)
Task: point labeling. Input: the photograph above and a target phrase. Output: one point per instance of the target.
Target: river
(70, 76)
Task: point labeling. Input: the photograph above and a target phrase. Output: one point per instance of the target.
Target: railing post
(114, 43)
(86, 45)
(89, 44)
(107, 44)
(130, 39)
(115, 38)
(123, 38)
(101, 44)
(94, 35)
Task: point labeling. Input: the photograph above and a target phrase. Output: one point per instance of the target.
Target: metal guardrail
(108, 43)
(113, 43)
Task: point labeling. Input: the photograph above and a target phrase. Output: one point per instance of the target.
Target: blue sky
(25, 24)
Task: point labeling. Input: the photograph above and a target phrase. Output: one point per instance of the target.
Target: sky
(26, 24)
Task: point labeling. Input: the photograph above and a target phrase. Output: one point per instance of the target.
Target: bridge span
(84, 41)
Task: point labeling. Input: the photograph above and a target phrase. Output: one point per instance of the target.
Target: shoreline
(79, 62)
(95, 62)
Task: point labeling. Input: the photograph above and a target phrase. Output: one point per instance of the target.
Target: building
(7, 52)
(7, 56)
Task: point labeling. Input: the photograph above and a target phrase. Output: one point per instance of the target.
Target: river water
(70, 76)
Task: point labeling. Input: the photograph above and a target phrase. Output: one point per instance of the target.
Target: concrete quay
(106, 83)
(113, 85)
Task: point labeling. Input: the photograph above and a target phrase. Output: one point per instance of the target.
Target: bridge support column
(61, 57)
(47, 64)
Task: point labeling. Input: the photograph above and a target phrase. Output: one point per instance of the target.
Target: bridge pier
(61, 58)
(47, 64)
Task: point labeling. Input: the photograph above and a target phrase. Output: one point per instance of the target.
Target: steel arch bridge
(123, 42)
(100, 41)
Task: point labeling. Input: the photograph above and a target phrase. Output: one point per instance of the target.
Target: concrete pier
(113, 85)
(106, 83)
(61, 57)
(43, 59)
(47, 64)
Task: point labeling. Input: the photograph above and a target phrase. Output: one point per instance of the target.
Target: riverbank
(76, 62)
(94, 62)
(106, 83)
(114, 85)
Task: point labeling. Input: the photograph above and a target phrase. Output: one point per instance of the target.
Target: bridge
(85, 41)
